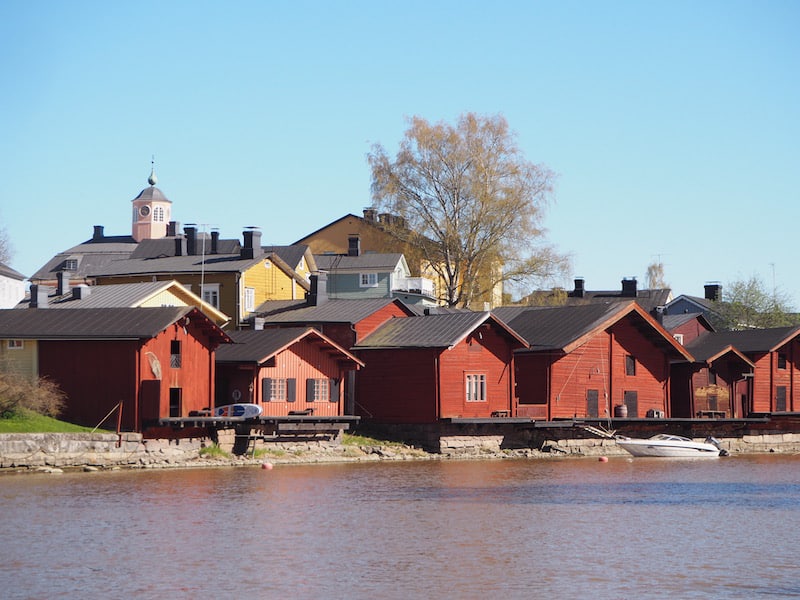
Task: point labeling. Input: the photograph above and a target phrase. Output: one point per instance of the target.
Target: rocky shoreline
(58, 453)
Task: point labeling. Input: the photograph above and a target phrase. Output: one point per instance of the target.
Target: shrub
(41, 396)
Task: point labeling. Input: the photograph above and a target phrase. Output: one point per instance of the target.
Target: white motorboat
(671, 446)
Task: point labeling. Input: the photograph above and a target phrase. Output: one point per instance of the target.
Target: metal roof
(331, 311)
(366, 261)
(258, 346)
(6, 271)
(430, 331)
(90, 323)
(750, 340)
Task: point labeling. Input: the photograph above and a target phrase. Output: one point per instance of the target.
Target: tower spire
(152, 180)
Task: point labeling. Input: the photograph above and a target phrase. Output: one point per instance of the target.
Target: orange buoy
(267, 466)
(603, 459)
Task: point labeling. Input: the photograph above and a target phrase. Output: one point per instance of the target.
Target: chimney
(579, 290)
(258, 323)
(62, 277)
(713, 291)
(98, 232)
(191, 240)
(172, 229)
(353, 245)
(629, 287)
(370, 214)
(39, 295)
(180, 245)
(659, 314)
(80, 291)
(252, 244)
(214, 241)
(319, 289)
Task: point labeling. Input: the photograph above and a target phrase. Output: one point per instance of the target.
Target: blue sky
(674, 127)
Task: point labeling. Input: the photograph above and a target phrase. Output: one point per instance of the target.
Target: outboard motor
(712, 440)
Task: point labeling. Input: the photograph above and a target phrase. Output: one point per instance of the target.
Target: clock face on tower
(144, 211)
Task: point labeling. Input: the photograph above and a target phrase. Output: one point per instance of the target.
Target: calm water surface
(574, 528)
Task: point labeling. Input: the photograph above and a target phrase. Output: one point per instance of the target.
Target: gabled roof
(324, 227)
(703, 305)
(431, 331)
(649, 299)
(258, 346)
(369, 261)
(753, 340)
(128, 295)
(672, 322)
(565, 328)
(6, 271)
(92, 255)
(332, 311)
(100, 323)
(709, 348)
(292, 255)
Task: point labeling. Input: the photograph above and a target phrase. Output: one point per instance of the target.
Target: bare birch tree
(470, 200)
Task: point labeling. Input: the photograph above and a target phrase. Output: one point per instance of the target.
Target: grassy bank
(25, 421)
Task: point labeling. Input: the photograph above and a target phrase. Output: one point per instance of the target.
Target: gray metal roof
(332, 311)
(92, 255)
(117, 295)
(367, 261)
(257, 346)
(89, 323)
(431, 331)
(216, 263)
(152, 193)
(291, 255)
(556, 328)
(748, 340)
(671, 322)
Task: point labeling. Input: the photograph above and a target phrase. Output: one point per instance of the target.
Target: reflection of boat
(667, 445)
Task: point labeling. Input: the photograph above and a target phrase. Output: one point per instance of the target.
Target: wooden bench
(711, 414)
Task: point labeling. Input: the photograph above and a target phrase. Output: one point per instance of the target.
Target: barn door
(631, 400)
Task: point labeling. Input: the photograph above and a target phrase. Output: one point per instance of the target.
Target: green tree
(465, 195)
(748, 304)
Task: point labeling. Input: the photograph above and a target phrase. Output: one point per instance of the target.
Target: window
(780, 398)
(781, 361)
(592, 403)
(369, 280)
(175, 402)
(712, 378)
(71, 264)
(476, 387)
(249, 299)
(15, 344)
(278, 389)
(631, 400)
(302, 264)
(630, 365)
(211, 294)
(678, 338)
(175, 354)
(317, 390)
(158, 213)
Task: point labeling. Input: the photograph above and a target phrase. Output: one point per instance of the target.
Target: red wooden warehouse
(440, 366)
(285, 371)
(594, 360)
(149, 363)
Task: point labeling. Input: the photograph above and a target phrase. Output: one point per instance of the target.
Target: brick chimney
(214, 241)
(319, 289)
(713, 291)
(98, 232)
(580, 289)
(39, 295)
(252, 244)
(191, 240)
(629, 287)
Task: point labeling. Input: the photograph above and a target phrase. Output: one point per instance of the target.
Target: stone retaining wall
(93, 449)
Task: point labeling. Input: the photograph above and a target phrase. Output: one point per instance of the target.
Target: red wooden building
(594, 360)
(775, 355)
(439, 366)
(150, 363)
(286, 370)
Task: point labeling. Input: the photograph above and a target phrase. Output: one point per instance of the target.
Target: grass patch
(26, 421)
(213, 451)
(362, 440)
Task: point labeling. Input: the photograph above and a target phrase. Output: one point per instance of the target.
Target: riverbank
(55, 453)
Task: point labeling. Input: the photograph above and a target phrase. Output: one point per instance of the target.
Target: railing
(414, 285)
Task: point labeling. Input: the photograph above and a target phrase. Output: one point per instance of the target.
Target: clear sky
(674, 127)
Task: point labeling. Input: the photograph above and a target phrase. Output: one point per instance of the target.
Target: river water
(570, 528)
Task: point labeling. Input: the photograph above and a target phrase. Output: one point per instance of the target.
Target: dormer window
(71, 264)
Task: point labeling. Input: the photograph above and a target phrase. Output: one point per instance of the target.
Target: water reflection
(572, 528)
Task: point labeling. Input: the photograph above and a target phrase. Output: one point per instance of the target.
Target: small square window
(175, 354)
(369, 280)
(781, 361)
(16, 344)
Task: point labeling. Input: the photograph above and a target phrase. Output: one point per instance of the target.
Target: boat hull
(673, 447)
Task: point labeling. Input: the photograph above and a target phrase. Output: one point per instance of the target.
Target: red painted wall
(376, 319)
(768, 377)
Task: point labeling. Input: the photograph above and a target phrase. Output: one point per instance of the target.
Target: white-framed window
(277, 391)
(475, 384)
(210, 293)
(302, 264)
(678, 338)
(158, 214)
(249, 299)
(369, 279)
(318, 390)
(15, 344)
